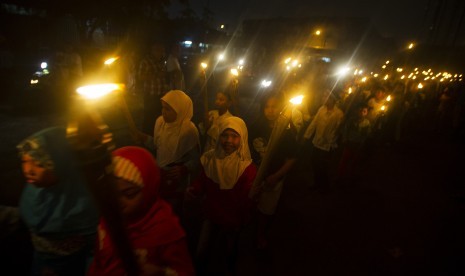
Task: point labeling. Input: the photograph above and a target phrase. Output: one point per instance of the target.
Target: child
(283, 160)
(355, 133)
(55, 205)
(176, 141)
(153, 230)
(215, 117)
(226, 178)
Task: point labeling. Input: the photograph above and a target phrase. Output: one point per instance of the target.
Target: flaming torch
(92, 143)
(281, 124)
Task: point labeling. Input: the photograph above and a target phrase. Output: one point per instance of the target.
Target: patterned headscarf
(66, 206)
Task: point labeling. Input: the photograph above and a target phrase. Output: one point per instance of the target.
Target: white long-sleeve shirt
(325, 126)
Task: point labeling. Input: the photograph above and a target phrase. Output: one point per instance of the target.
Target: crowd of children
(155, 179)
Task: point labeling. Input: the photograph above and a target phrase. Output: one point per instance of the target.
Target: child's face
(221, 101)
(168, 113)
(379, 94)
(230, 141)
(130, 197)
(272, 109)
(363, 112)
(35, 173)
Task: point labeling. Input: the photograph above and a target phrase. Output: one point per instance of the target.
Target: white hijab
(226, 169)
(174, 140)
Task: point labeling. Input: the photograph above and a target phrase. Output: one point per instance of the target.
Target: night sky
(401, 19)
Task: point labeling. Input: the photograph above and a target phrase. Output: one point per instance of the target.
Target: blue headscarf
(66, 208)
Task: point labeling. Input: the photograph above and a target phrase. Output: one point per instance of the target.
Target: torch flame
(95, 91)
(110, 60)
(296, 100)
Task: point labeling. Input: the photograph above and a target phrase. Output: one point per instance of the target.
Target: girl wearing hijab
(56, 205)
(177, 145)
(225, 181)
(152, 228)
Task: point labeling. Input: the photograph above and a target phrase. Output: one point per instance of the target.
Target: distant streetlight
(410, 46)
(318, 32)
(266, 83)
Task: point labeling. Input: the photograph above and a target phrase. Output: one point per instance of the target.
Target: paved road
(404, 216)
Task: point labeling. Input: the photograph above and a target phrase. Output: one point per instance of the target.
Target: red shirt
(230, 208)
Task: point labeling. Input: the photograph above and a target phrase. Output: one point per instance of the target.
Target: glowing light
(96, 91)
(386, 77)
(399, 69)
(427, 78)
(204, 65)
(241, 61)
(383, 108)
(416, 69)
(295, 62)
(350, 90)
(297, 100)
(234, 72)
(343, 71)
(388, 98)
(384, 66)
(441, 80)
(287, 60)
(375, 75)
(364, 79)
(43, 65)
(110, 60)
(34, 81)
(266, 83)
(411, 45)
(188, 43)
(420, 85)
(222, 26)
(318, 32)
(387, 61)
(221, 57)
(414, 77)
(403, 77)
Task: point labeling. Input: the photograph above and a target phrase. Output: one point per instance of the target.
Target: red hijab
(158, 226)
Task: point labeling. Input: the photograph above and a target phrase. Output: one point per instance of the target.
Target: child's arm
(177, 259)
(275, 177)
